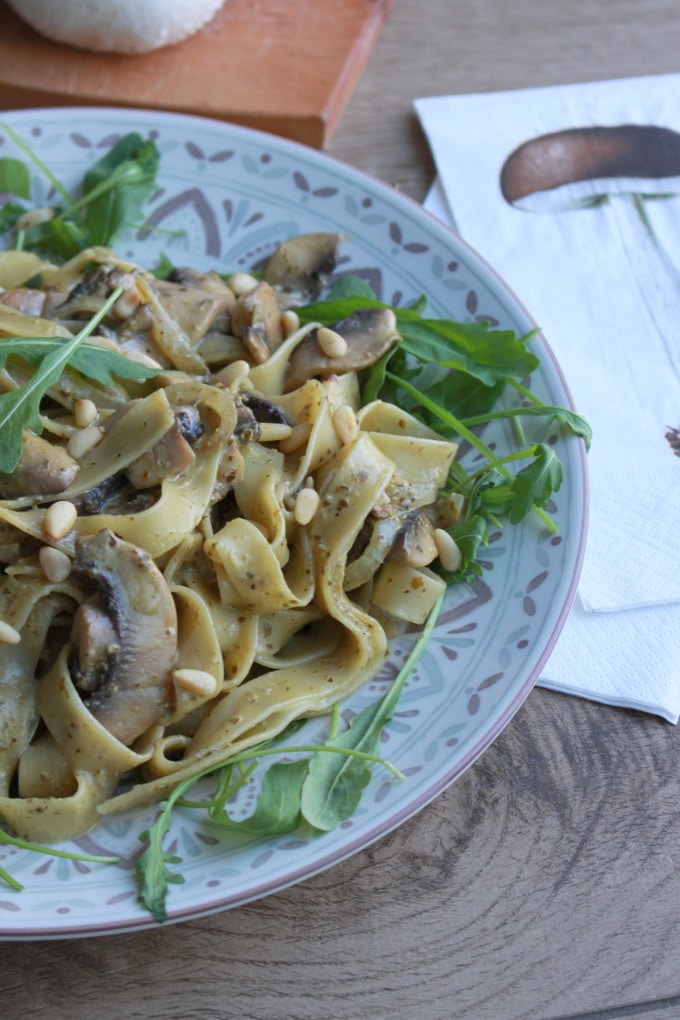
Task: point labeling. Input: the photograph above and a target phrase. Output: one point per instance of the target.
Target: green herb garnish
(38, 848)
(20, 408)
(322, 790)
(451, 375)
(108, 200)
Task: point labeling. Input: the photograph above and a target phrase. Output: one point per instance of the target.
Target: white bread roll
(118, 26)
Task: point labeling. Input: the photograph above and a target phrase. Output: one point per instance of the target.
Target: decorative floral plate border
(234, 194)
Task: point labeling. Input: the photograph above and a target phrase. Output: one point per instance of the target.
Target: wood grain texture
(543, 885)
(286, 66)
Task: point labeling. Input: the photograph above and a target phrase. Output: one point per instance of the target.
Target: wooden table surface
(546, 882)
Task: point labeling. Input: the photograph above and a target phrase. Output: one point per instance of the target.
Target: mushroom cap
(119, 26)
(369, 332)
(299, 263)
(629, 151)
(133, 689)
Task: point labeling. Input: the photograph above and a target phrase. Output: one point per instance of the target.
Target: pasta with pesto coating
(228, 542)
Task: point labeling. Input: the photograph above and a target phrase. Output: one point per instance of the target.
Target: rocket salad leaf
(322, 790)
(20, 408)
(451, 375)
(109, 199)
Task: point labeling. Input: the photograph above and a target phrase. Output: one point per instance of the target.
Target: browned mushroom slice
(167, 459)
(369, 332)
(195, 309)
(301, 263)
(256, 319)
(210, 281)
(415, 544)
(124, 639)
(43, 470)
(25, 299)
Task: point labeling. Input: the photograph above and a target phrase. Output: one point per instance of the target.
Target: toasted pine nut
(127, 304)
(241, 283)
(59, 520)
(345, 424)
(306, 505)
(196, 681)
(56, 564)
(450, 555)
(84, 440)
(273, 431)
(331, 343)
(290, 322)
(231, 374)
(297, 438)
(84, 413)
(8, 634)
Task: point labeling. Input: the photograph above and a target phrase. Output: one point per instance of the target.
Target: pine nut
(450, 555)
(56, 564)
(196, 681)
(306, 505)
(331, 343)
(59, 520)
(84, 413)
(290, 322)
(83, 441)
(8, 634)
(298, 438)
(127, 304)
(273, 431)
(345, 424)
(241, 283)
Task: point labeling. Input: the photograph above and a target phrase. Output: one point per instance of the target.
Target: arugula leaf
(20, 408)
(471, 347)
(535, 483)
(277, 810)
(9, 214)
(39, 848)
(117, 186)
(334, 785)
(351, 286)
(151, 867)
(469, 536)
(90, 360)
(14, 177)
(112, 193)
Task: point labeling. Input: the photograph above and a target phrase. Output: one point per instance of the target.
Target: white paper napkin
(603, 292)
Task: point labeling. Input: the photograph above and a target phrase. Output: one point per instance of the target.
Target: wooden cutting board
(285, 66)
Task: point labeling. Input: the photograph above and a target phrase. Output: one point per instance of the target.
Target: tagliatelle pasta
(200, 615)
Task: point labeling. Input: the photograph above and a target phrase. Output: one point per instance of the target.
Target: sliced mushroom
(264, 410)
(197, 309)
(301, 263)
(256, 319)
(210, 282)
(369, 332)
(167, 459)
(43, 469)
(415, 544)
(383, 532)
(27, 300)
(124, 639)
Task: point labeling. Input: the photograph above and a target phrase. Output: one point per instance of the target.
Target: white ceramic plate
(235, 194)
